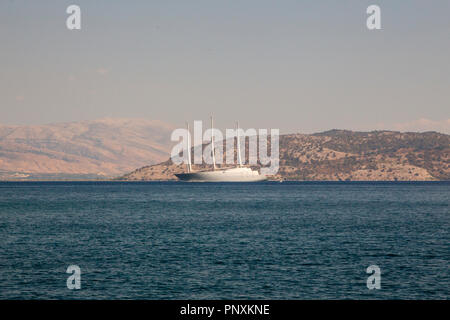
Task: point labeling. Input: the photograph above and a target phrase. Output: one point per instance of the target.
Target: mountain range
(88, 149)
(113, 149)
(347, 156)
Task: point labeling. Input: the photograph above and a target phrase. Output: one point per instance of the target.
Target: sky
(299, 66)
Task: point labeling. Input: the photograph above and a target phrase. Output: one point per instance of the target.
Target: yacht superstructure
(236, 174)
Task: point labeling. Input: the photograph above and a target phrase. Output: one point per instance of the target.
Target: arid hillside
(100, 148)
(346, 155)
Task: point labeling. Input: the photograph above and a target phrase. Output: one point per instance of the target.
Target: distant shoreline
(268, 181)
(335, 155)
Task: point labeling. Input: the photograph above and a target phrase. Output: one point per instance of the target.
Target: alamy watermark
(73, 21)
(74, 280)
(374, 280)
(257, 147)
(373, 21)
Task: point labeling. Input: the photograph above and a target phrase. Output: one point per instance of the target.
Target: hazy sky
(301, 66)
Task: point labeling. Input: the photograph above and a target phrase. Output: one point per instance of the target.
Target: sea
(268, 240)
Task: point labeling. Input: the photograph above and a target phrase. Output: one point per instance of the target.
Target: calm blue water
(235, 241)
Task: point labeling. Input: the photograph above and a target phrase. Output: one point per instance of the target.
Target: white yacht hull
(238, 174)
(223, 175)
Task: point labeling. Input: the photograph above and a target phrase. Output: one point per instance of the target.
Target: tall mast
(189, 166)
(212, 144)
(238, 145)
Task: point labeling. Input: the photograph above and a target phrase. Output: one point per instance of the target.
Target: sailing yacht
(236, 174)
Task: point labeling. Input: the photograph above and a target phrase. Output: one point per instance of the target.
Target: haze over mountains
(103, 148)
(111, 148)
